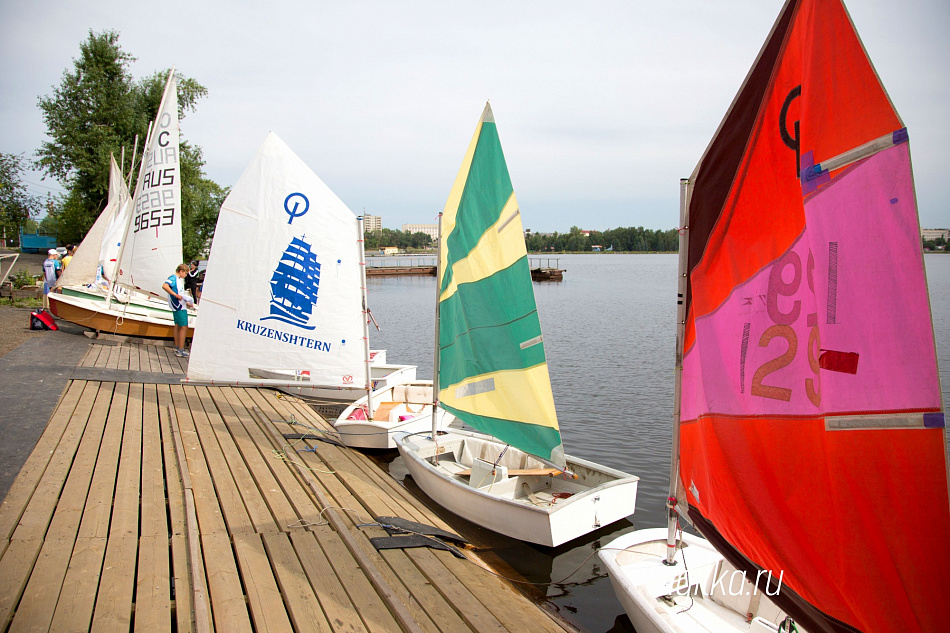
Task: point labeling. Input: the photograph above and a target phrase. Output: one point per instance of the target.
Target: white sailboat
(149, 245)
(809, 441)
(284, 302)
(492, 375)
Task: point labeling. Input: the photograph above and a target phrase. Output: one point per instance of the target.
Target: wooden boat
(120, 319)
(809, 440)
(492, 375)
(284, 302)
(139, 245)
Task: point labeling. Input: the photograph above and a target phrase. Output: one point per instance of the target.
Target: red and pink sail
(811, 432)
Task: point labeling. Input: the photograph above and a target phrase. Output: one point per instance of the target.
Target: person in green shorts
(177, 303)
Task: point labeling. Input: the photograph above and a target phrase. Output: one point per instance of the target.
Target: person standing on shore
(51, 270)
(177, 302)
(193, 282)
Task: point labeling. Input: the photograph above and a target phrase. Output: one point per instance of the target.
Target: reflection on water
(609, 336)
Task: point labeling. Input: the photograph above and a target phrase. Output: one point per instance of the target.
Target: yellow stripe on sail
(499, 247)
(522, 395)
(450, 212)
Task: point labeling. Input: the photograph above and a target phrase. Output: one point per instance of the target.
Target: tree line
(629, 239)
(97, 110)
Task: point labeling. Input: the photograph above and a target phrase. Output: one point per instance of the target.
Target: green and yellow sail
(492, 371)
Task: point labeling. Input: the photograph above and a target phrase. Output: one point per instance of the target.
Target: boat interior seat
(385, 411)
(474, 448)
(486, 473)
(729, 591)
(413, 394)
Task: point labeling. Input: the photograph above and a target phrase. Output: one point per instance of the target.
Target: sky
(601, 106)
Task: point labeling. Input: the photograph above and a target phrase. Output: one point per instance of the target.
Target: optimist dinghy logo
(294, 284)
(292, 206)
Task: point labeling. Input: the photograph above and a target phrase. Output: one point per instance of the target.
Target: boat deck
(152, 505)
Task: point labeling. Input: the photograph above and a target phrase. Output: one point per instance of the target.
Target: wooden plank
(15, 568)
(36, 517)
(125, 354)
(258, 513)
(163, 362)
(154, 515)
(76, 603)
(35, 610)
(153, 586)
(210, 519)
(125, 511)
(98, 510)
(263, 595)
(224, 584)
(302, 603)
(407, 615)
(277, 501)
(89, 358)
(186, 548)
(505, 603)
(229, 497)
(181, 573)
(332, 596)
(113, 611)
(42, 592)
(145, 361)
(69, 509)
(291, 484)
(103, 360)
(133, 358)
(114, 352)
(23, 487)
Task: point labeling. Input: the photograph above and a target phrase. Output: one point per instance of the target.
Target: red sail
(812, 438)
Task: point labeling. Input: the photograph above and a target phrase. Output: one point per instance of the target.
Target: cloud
(601, 107)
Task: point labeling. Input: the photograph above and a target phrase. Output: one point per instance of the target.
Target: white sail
(82, 267)
(118, 219)
(152, 247)
(282, 289)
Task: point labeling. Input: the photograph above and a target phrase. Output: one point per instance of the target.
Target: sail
(282, 292)
(84, 264)
(111, 242)
(152, 246)
(492, 370)
(811, 431)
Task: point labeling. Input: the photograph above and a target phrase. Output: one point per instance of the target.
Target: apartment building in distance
(372, 223)
(432, 230)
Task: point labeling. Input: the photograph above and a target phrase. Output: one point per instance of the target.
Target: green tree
(17, 206)
(98, 109)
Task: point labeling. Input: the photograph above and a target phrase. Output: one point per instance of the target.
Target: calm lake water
(609, 336)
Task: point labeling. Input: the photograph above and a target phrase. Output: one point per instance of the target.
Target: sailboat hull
(383, 376)
(404, 408)
(709, 595)
(535, 507)
(123, 320)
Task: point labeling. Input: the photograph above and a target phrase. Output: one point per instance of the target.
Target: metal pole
(369, 378)
(435, 360)
(683, 278)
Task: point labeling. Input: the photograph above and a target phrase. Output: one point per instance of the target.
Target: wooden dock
(148, 505)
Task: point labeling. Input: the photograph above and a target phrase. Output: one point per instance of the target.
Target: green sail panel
(492, 369)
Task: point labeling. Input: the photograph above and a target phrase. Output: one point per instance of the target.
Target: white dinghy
(492, 375)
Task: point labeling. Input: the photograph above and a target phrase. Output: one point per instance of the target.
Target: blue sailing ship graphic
(294, 285)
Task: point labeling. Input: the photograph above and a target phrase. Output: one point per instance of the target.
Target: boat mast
(681, 287)
(128, 220)
(435, 360)
(369, 381)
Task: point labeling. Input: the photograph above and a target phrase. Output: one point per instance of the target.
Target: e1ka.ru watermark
(727, 585)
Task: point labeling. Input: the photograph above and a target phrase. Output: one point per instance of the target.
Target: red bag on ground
(42, 320)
